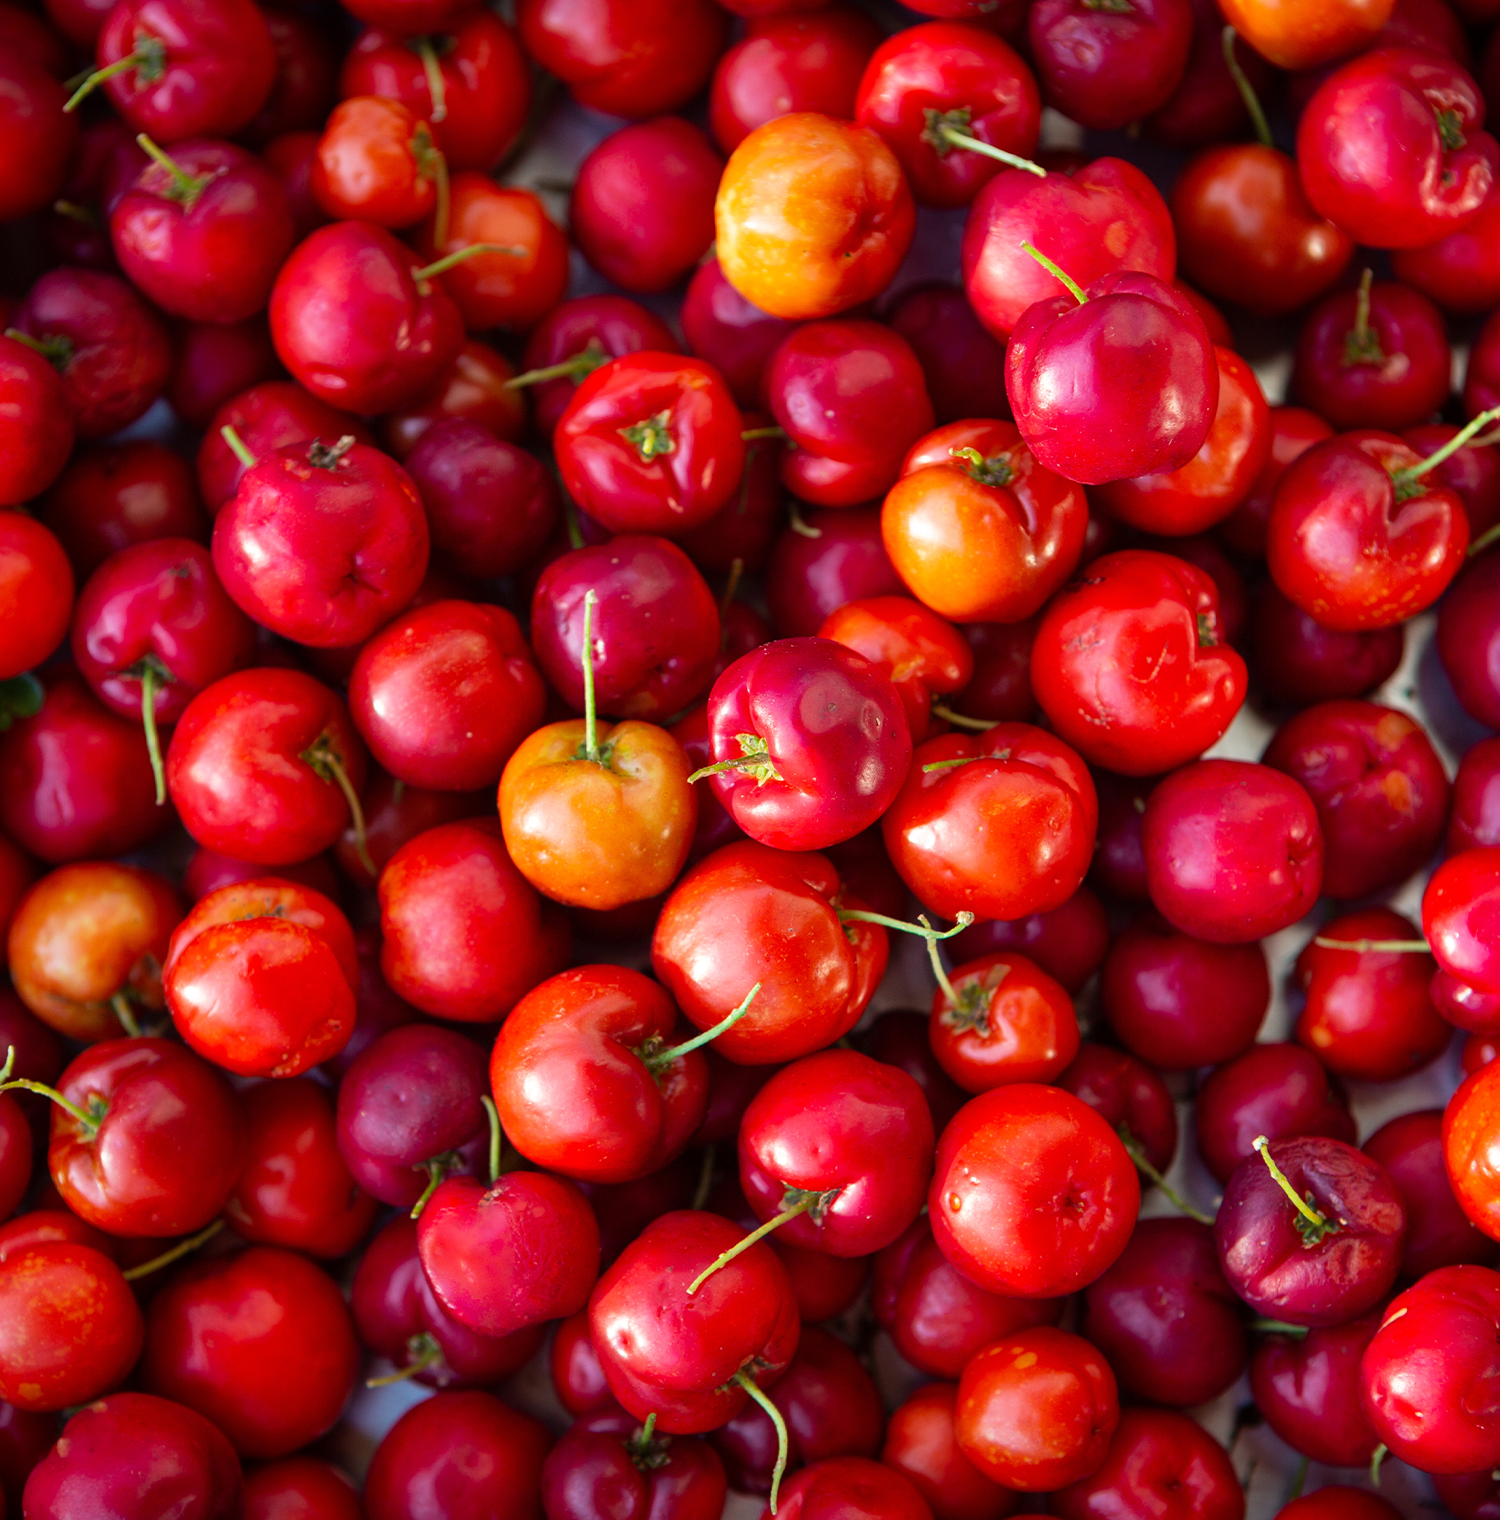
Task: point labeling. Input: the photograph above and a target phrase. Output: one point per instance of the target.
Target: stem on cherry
(705, 1177)
(590, 715)
(181, 1249)
(995, 471)
(432, 163)
(1137, 1154)
(1378, 1456)
(126, 1015)
(803, 1202)
(1074, 288)
(1246, 89)
(238, 447)
(754, 757)
(186, 188)
(656, 1060)
(736, 572)
(1366, 946)
(962, 720)
(1314, 1224)
(497, 1138)
(773, 1414)
(328, 766)
(750, 434)
(87, 1122)
(461, 255)
(570, 522)
(426, 1351)
(1485, 539)
(1279, 1327)
(799, 524)
(149, 56)
(20, 697)
(921, 927)
(946, 130)
(437, 1170)
(57, 351)
(1465, 434)
(576, 368)
(1361, 346)
(652, 437)
(434, 71)
(152, 671)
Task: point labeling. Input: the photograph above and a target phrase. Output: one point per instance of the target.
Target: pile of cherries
(469, 754)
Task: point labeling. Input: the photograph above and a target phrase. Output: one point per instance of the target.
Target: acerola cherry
(1308, 1388)
(812, 574)
(850, 1488)
(1296, 660)
(607, 1463)
(35, 438)
(920, 1444)
(1475, 817)
(1458, 915)
(321, 1489)
(1130, 1097)
(1068, 943)
(376, 162)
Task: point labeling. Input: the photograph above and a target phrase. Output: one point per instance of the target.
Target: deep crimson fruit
(1129, 1096)
(1296, 660)
(1033, 1193)
(811, 578)
(1468, 639)
(324, 1490)
(1458, 913)
(1308, 1388)
(920, 1444)
(39, 137)
(1068, 943)
(963, 362)
(606, 1463)
(36, 433)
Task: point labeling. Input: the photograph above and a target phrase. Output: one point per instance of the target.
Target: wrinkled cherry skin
(674, 489)
(75, 780)
(1008, 833)
(275, 1490)
(1157, 983)
(215, 258)
(260, 978)
(1439, 1233)
(1160, 1463)
(444, 695)
(1274, 1089)
(354, 327)
(219, 66)
(37, 434)
(114, 355)
(134, 1454)
(1036, 1410)
(237, 771)
(1373, 158)
(169, 1142)
(1093, 221)
(1033, 1194)
(1459, 911)
(1278, 1271)
(1129, 667)
(1128, 1095)
(828, 780)
(954, 70)
(596, 1469)
(571, 1083)
(464, 934)
(852, 399)
(1369, 1014)
(1246, 231)
(877, 1166)
(633, 58)
(1402, 381)
(849, 1488)
(985, 543)
(1427, 1373)
(813, 216)
(1308, 1388)
(295, 1190)
(666, 1353)
(1233, 850)
(940, 1320)
(261, 1343)
(158, 600)
(747, 914)
(1136, 350)
(1296, 660)
(1379, 786)
(1166, 1319)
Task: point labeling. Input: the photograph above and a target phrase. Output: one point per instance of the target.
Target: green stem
(92, 81)
(647, 1430)
(989, 150)
(799, 524)
(460, 255)
(186, 188)
(590, 716)
(805, 1201)
(705, 1178)
(428, 1353)
(942, 976)
(88, 1123)
(736, 572)
(434, 72)
(1074, 288)
(238, 447)
(1379, 1455)
(1246, 89)
(182, 1248)
(773, 1414)
(921, 927)
(1316, 1221)
(496, 1137)
(1279, 1327)
(1134, 1150)
(1484, 540)
(324, 758)
(962, 720)
(148, 722)
(665, 1057)
(766, 432)
(437, 1174)
(1365, 946)
(579, 365)
(946, 765)
(126, 1015)
(1453, 445)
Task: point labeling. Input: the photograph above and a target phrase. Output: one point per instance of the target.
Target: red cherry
(211, 364)
(1106, 69)
(920, 1444)
(322, 1492)
(1129, 1096)
(963, 363)
(1296, 660)
(36, 593)
(37, 433)
(39, 137)
(1308, 1388)
(850, 1488)
(1339, 1502)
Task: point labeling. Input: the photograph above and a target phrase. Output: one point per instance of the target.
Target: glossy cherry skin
(988, 541)
(1094, 221)
(948, 74)
(920, 1444)
(577, 1377)
(39, 135)
(1303, 37)
(1308, 1388)
(1129, 664)
(1459, 271)
(1379, 787)
(1233, 851)
(36, 593)
(248, 763)
(1340, 1502)
(1165, 1317)
(602, 1466)
(1246, 231)
(1294, 430)
(817, 974)
(1161, 1463)
(206, 248)
(1458, 913)
(676, 1355)
(1206, 489)
(1068, 943)
(945, 833)
(355, 327)
(1474, 820)
(813, 216)
(810, 578)
(302, 1487)
(963, 362)
(1106, 69)
(1474, 473)
(1426, 1372)
(158, 601)
(1468, 640)
(571, 1082)
(444, 695)
(1273, 1089)
(727, 331)
(375, 163)
(75, 780)
(1418, 103)
(1036, 1410)
(209, 72)
(1157, 982)
(1129, 1095)
(1295, 659)
(261, 1343)
(1471, 1496)
(849, 1488)
(110, 350)
(1033, 1194)
(37, 434)
(1282, 1273)
(295, 1190)
(1412, 1149)
(207, 871)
